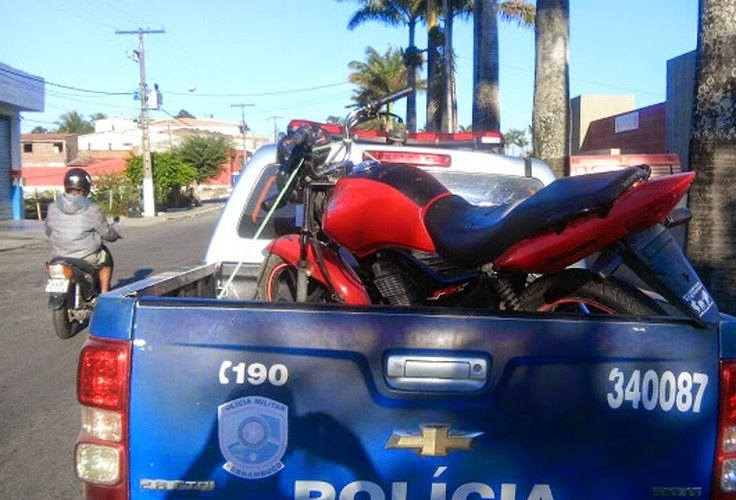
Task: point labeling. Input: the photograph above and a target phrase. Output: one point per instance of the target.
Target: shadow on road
(138, 275)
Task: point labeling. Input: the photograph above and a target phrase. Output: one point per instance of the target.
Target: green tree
(378, 75)
(114, 193)
(486, 97)
(206, 152)
(550, 110)
(72, 122)
(517, 137)
(485, 75)
(170, 173)
(711, 240)
(184, 114)
(39, 130)
(398, 13)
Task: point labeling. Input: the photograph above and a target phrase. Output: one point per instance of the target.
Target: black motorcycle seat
(81, 264)
(471, 235)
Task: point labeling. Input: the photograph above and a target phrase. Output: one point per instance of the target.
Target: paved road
(39, 415)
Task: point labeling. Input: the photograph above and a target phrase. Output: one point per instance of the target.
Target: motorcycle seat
(472, 235)
(80, 264)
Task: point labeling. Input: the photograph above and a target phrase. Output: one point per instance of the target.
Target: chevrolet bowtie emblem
(435, 440)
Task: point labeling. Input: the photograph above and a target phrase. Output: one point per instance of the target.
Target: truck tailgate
(243, 400)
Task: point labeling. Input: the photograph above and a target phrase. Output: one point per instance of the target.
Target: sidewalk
(22, 233)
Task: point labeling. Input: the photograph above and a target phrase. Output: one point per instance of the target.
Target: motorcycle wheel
(64, 328)
(277, 283)
(576, 291)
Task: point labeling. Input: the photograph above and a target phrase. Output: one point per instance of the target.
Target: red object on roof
(475, 139)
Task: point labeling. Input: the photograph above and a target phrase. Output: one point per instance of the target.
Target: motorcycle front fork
(656, 258)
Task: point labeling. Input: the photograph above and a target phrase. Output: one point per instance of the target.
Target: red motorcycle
(389, 233)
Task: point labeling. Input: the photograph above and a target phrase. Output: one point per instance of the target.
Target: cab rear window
(284, 218)
(485, 189)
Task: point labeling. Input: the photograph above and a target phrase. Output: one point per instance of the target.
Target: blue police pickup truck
(189, 392)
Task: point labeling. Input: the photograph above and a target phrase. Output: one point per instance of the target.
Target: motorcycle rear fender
(346, 284)
(657, 259)
(57, 300)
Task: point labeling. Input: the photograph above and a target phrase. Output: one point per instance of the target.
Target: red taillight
(103, 374)
(411, 158)
(724, 477)
(103, 386)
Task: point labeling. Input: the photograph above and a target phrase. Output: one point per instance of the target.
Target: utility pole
(242, 107)
(275, 127)
(149, 203)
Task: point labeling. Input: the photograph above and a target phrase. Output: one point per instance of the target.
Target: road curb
(15, 234)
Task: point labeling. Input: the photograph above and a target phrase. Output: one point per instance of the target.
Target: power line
(68, 87)
(105, 92)
(264, 94)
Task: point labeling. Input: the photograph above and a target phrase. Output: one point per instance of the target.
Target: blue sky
(289, 58)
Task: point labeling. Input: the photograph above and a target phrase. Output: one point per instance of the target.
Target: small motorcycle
(73, 288)
(389, 233)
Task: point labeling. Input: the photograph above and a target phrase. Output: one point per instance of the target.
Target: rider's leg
(105, 275)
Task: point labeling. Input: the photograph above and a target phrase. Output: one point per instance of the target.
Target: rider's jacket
(76, 227)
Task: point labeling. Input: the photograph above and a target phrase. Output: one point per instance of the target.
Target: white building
(118, 134)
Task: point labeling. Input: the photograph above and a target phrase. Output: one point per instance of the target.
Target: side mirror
(116, 219)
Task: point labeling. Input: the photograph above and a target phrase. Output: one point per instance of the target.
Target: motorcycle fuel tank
(382, 205)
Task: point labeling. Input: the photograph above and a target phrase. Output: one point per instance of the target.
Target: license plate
(57, 285)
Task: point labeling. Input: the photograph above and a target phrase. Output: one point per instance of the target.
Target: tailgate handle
(436, 373)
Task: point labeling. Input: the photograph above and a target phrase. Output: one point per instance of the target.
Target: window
(58, 147)
(28, 147)
(285, 218)
(488, 189)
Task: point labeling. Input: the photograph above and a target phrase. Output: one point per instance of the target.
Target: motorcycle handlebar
(371, 108)
(379, 103)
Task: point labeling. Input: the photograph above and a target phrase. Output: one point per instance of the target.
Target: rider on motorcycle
(77, 227)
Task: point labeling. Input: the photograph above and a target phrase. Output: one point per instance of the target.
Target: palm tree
(441, 94)
(486, 108)
(517, 137)
(378, 75)
(711, 240)
(410, 13)
(72, 122)
(397, 13)
(550, 115)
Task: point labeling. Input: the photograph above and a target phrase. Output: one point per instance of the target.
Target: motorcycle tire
(65, 328)
(577, 291)
(278, 280)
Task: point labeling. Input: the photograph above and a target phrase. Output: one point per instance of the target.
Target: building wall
(662, 128)
(679, 106)
(51, 150)
(19, 91)
(638, 131)
(588, 108)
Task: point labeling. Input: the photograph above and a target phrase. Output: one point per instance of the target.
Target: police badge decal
(253, 433)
